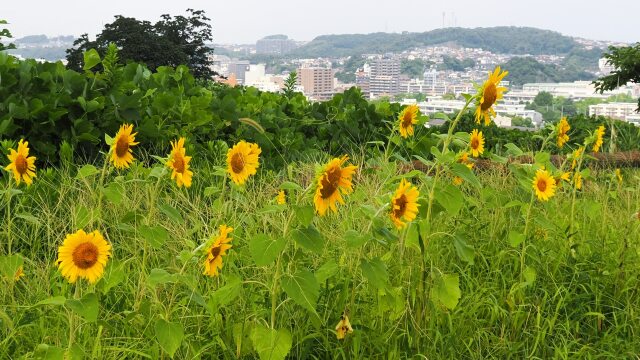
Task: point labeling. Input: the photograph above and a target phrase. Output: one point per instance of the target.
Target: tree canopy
(626, 61)
(172, 41)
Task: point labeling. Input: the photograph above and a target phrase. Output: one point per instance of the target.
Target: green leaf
(48, 352)
(113, 193)
(9, 265)
(87, 307)
(156, 236)
(171, 212)
(86, 171)
(271, 344)
(55, 300)
(265, 249)
(113, 276)
(304, 214)
(29, 218)
(465, 251)
(160, 276)
(82, 217)
(228, 293)
(327, 271)
(309, 238)
(446, 291)
(466, 174)
(355, 239)
(376, 272)
(451, 198)
(169, 335)
(515, 238)
(91, 59)
(288, 185)
(303, 288)
(513, 149)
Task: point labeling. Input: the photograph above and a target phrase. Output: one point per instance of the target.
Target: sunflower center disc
(490, 95)
(401, 202)
(330, 182)
(475, 143)
(21, 164)
(85, 255)
(237, 163)
(215, 251)
(122, 146)
(178, 163)
(407, 120)
(542, 185)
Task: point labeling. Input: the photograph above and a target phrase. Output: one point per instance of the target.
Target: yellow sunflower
(281, 199)
(565, 176)
(563, 129)
(489, 94)
(599, 138)
(577, 153)
(476, 143)
(404, 204)
(22, 165)
(577, 180)
(333, 181)
(243, 161)
(544, 185)
(619, 176)
(344, 327)
(408, 117)
(83, 255)
(121, 155)
(463, 158)
(19, 273)
(457, 181)
(179, 164)
(216, 251)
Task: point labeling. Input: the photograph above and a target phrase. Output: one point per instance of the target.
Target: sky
(245, 21)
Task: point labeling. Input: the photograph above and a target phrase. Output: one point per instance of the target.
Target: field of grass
(485, 271)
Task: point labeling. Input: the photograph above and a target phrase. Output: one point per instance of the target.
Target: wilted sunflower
(476, 143)
(576, 155)
(408, 117)
(179, 164)
(404, 204)
(577, 180)
(83, 255)
(22, 165)
(216, 251)
(243, 161)
(563, 130)
(463, 158)
(544, 185)
(565, 176)
(281, 199)
(619, 176)
(333, 181)
(121, 155)
(599, 138)
(488, 95)
(344, 327)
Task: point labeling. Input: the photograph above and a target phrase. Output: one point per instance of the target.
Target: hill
(524, 70)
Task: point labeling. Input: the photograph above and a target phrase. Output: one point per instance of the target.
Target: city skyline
(246, 22)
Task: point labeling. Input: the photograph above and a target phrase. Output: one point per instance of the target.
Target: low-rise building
(618, 111)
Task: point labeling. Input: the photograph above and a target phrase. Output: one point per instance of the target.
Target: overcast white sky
(245, 21)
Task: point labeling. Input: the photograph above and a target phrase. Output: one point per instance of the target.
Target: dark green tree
(5, 33)
(172, 41)
(626, 61)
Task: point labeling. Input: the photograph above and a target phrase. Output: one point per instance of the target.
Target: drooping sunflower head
(619, 175)
(404, 204)
(488, 95)
(476, 143)
(577, 180)
(544, 185)
(562, 130)
(599, 138)
(83, 255)
(577, 153)
(408, 117)
(179, 164)
(344, 327)
(243, 161)
(281, 199)
(333, 181)
(217, 250)
(463, 158)
(121, 154)
(565, 176)
(21, 164)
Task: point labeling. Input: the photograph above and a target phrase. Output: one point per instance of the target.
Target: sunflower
(488, 95)
(121, 156)
(476, 143)
(179, 164)
(281, 199)
(619, 176)
(457, 181)
(22, 165)
(83, 255)
(242, 161)
(19, 273)
(216, 251)
(408, 117)
(333, 181)
(565, 176)
(463, 158)
(344, 327)
(577, 180)
(544, 185)
(599, 138)
(404, 204)
(577, 153)
(562, 130)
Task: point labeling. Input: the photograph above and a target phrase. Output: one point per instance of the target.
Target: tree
(7, 34)
(626, 61)
(543, 99)
(172, 41)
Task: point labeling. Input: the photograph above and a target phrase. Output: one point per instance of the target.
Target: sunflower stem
(9, 218)
(524, 240)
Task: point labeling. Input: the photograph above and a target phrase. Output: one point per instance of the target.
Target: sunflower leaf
(376, 272)
(156, 236)
(87, 307)
(303, 288)
(171, 212)
(466, 174)
(169, 335)
(271, 344)
(309, 238)
(86, 171)
(265, 249)
(304, 214)
(446, 291)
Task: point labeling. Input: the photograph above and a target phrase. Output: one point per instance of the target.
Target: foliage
(626, 61)
(5, 33)
(414, 68)
(451, 63)
(169, 42)
(524, 70)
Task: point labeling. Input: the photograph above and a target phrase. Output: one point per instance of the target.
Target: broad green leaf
(86, 171)
(529, 275)
(466, 174)
(55, 300)
(228, 293)
(354, 239)
(171, 212)
(326, 271)
(265, 249)
(465, 251)
(91, 59)
(271, 344)
(169, 335)
(450, 197)
(87, 307)
(303, 288)
(9, 265)
(156, 235)
(288, 185)
(309, 238)
(513, 149)
(446, 291)
(29, 218)
(515, 238)
(82, 217)
(304, 214)
(113, 275)
(160, 276)
(113, 192)
(376, 272)
(48, 352)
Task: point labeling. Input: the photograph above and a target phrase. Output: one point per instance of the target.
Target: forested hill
(503, 40)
